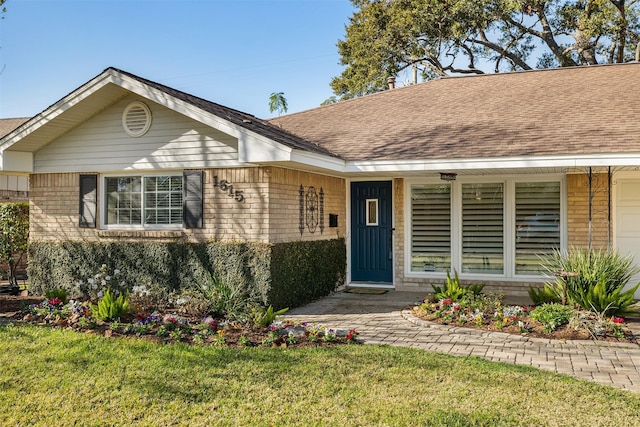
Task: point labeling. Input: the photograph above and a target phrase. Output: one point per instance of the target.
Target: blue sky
(233, 52)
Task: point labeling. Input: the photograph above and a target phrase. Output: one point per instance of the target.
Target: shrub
(264, 318)
(452, 289)
(552, 315)
(283, 274)
(547, 294)
(603, 268)
(600, 300)
(228, 300)
(14, 235)
(110, 308)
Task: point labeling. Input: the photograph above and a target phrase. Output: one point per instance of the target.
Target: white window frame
(142, 226)
(509, 222)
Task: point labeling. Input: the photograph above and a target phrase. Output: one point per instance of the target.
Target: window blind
(483, 228)
(431, 227)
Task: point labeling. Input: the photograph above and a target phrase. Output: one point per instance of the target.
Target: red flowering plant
(617, 320)
(56, 302)
(352, 336)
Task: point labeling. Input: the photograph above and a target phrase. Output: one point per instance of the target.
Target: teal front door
(371, 232)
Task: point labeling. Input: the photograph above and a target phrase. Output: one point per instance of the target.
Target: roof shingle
(579, 110)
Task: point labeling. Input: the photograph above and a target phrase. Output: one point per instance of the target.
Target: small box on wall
(333, 220)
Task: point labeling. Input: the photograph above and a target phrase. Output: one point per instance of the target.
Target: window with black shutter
(193, 201)
(88, 200)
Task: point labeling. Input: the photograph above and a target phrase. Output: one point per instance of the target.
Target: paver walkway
(385, 319)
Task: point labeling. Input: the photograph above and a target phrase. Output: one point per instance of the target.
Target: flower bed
(171, 327)
(555, 321)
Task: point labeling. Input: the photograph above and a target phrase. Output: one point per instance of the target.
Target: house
(13, 188)
(478, 174)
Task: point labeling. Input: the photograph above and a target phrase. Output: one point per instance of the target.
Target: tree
(14, 225)
(277, 102)
(441, 37)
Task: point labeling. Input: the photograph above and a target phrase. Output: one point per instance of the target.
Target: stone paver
(385, 319)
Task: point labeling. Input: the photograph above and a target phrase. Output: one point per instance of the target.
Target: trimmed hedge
(302, 272)
(284, 274)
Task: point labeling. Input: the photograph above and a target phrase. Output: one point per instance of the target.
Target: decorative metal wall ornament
(321, 210)
(599, 213)
(312, 209)
(301, 217)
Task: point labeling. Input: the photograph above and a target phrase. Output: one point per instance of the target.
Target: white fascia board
(494, 163)
(16, 161)
(318, 160)
(55, 110)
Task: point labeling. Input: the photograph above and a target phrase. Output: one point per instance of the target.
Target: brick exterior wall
(285, 206)
(53, 208)
(269, 212)
(14, 196)
(578, 211)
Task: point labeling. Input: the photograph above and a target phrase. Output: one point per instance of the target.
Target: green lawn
(55, 377)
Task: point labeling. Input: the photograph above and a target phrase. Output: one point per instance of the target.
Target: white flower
(107, 278)
(116, 271)
(104, 266)
(100, 294)
(90, 281)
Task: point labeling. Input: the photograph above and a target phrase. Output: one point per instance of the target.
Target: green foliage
(228, 300)
(277, 102)
(57, 293)
(552, 315)
(264, 318)
(302, 272)
(110, 307)
(601, 277)
(439, 37)
(453, 290)
(283, 275)
(600, 300)
(14, 235)
(550, 292)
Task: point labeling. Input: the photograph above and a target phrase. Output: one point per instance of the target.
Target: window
(143, 200)
(500, 228)
(431, 227)
(372, 211)
(537, 224)
(482, 228)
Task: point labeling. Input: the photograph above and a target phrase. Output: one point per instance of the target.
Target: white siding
(627, 226)
(173, 142)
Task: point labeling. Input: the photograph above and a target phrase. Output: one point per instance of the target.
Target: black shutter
(88, 200)
(192, 207)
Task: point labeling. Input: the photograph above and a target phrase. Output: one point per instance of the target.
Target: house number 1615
(227, 187)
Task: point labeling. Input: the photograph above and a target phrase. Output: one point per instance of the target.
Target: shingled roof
(566, 111)
(8, 125)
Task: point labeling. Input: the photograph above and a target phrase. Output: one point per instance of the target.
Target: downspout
(590, 205)
(609, 208)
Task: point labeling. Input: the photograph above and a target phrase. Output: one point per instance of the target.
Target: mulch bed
(11, 306)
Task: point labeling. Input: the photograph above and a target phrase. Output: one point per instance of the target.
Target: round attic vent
(136, 119)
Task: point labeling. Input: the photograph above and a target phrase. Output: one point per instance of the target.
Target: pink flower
(55, 301)
(447, 302)
(617, 320)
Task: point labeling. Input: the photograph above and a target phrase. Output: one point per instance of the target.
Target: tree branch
(499, 49)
